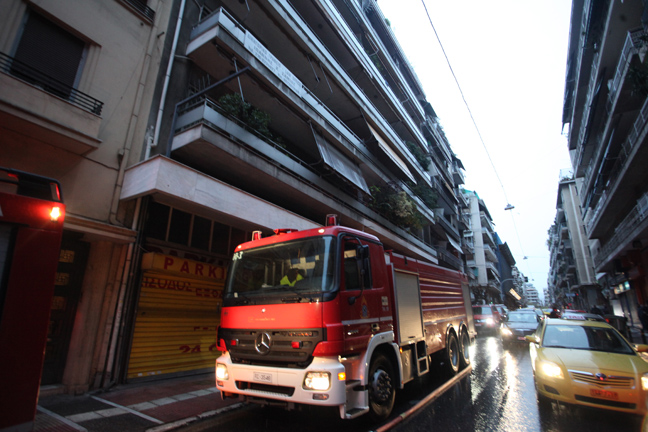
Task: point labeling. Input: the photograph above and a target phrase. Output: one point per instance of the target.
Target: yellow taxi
(588, 363)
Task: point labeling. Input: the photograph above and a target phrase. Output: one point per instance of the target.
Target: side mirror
(531, 338)
(642, 348)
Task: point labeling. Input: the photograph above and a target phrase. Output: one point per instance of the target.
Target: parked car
(588, 363)
(517, 325)
(487, 318)
(503, 310)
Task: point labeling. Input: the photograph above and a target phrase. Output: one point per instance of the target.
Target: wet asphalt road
(498, 396)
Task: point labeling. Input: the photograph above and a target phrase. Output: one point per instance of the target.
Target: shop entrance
(67, 290)
(178, 314)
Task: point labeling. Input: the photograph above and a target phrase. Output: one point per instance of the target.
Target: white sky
(509, 57)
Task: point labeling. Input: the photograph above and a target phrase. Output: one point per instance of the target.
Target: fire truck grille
(285, 347)
(265, 388)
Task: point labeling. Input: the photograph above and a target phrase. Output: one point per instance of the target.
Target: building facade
(481, 259)
(605, 113)
(177, 128)
(76, 88)
(571, 273)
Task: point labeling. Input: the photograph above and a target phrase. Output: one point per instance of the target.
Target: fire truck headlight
(317, 381)
(221, 372)
(489, 321)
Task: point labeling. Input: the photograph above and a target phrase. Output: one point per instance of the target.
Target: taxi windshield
(289, 271)
(585, 338)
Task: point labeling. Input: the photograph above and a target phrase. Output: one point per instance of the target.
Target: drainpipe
(124, 153)
(109, 363)
(156, 135)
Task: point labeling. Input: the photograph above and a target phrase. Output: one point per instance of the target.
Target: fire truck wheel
(464, 346)
(382, 391)
(452, 354)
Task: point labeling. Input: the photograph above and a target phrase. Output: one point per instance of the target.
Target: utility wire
(464, 99)
(481, 139)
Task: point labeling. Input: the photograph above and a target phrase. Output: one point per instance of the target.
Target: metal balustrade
(33, 76)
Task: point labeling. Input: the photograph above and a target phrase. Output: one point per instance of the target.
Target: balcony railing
(449, 259)
(140, 7)
(623, 231)
(623, 158)
(633, 43)
(33, 76)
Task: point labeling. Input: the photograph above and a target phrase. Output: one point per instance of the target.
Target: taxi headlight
(551, 370)
(644, 381)
(221, 372)
(317, 381)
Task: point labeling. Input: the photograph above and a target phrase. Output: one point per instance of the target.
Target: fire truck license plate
(605, 394)
(262, 377)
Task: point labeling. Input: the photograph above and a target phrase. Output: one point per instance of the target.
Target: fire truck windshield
(286, 272)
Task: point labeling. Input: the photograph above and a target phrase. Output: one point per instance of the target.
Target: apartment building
(530, 295)
(508, 272)
(182, 127)
(605, 115)
(481, 258)
(77, 81)
(571, 273)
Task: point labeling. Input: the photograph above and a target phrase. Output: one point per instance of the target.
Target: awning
(454, 243)
(391, 153)
(340, 163)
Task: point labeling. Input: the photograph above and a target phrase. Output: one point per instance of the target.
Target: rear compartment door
(408, 307)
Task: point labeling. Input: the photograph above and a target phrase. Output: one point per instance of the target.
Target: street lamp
(509, 207)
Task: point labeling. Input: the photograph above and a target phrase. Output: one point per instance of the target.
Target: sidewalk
(155, 406)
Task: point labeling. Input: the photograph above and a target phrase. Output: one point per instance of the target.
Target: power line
(465, 102)
(481, 139)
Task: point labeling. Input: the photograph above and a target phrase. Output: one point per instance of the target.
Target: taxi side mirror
(641, 348)
(531, 338)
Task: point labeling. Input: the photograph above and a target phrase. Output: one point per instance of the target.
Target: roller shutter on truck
(178, 313)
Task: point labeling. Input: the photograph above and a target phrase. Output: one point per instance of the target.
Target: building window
(48, 56)
(200, 233)
(180, 225)
(171, 225)
(158, 221)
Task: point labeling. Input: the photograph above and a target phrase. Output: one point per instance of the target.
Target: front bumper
(283, 384)
(629, 400)
(485, 326)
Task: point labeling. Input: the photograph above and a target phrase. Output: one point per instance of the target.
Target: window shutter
(51, 51)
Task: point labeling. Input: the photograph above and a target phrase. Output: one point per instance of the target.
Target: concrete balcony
(219, 38)
(490, 253)
(219, 146)
(488, 237)
(64, 118)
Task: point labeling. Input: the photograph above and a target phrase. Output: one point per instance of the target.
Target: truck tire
(464, 347)
(452, 354)
(381, 387)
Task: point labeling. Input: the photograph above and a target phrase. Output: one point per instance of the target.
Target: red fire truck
(31, 226)
(327, 317)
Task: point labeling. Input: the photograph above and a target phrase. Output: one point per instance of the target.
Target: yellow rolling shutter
(177, 316)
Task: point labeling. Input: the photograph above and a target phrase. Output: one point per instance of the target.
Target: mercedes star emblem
(262, 343)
